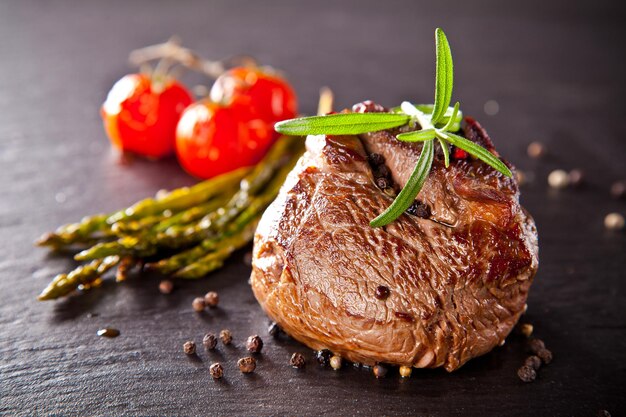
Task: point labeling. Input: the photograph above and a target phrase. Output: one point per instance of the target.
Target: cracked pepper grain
(226, 336)
(247, 365)
(216, 370)
(189, 347)
(297, 360)
(254, 344)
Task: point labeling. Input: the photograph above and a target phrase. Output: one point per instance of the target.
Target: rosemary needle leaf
(476, 150)
(341, 124)
(413, 186)
(451, 120)
(446, 152)
(417, 136)
(444, 76)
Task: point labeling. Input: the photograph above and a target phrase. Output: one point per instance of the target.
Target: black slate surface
(555, 69)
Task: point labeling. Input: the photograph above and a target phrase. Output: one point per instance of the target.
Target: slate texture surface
(555, 70)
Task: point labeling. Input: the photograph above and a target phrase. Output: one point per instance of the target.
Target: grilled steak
(428, 290)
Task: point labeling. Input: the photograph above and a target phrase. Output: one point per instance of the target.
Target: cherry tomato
(268, 96)
(212, 138)
(140, 115)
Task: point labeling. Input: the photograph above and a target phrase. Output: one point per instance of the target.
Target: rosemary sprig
(436, 121)
(341, 124)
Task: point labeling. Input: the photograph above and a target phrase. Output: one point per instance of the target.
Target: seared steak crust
(457, 281)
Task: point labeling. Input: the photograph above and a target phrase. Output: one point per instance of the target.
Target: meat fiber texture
(458, 281)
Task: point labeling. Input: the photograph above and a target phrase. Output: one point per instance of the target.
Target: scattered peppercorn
(603, 413)
(323, 357)
(576, 177)
(376, 159)
(209, 341)
(247, 365)
(226, 336)
(536, 150)
(189, 347)
(166, 286)
(216, 370)
(254, 344)
(211, 299)
(526, 374)
(382, 171)
(614, 221)
(382, 292)
(406, 371)
(382, 183)
(618, 189)
(545, 355)
(558, 179)
(419, 209)
(273, 329)
(380, 371)
(335, 362)
(526, 329)
(198, 304)
(533, 361)
(535, 345)
(297, 360)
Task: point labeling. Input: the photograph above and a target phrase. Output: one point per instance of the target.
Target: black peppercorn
(226, 336)
(254, 344)
(382, 183)
(382, 292)
(533, 362)
(216, 370)
(526, 374)
(166, 286)
(419, 209)
(198, 304)
(382, 171)
(545, 355)
(209, 341)
(376, 159)
(323, 357)
(576, 177)
(535, 345)
(247, 365)
(189, 347)
(618, 189)
(297, 360)
(211, 299)
(273, 329)
(380, 371)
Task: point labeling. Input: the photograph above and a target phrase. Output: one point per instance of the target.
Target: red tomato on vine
(140, 115)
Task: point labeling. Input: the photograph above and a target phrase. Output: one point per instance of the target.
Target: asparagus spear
(63, 284)
(201, 219)
(178, 261)
(177, 200)
(215, 260)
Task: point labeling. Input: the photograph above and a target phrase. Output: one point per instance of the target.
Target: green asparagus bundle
(187, 232)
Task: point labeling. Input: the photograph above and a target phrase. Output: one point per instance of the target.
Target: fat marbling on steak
(457, 281)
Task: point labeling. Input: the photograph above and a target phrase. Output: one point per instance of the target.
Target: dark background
(555, 69)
